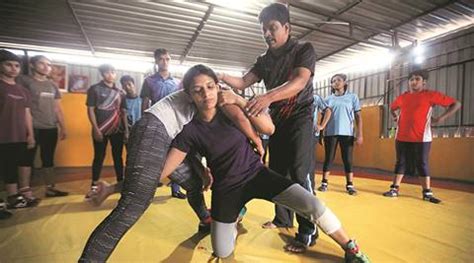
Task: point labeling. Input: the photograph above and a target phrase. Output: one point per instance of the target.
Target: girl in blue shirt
(345, 108)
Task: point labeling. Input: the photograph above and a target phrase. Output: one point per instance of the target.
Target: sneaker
(179, 195)
(16, 201)
(428, 196)
(393, 192)
(53, 192)
(323, 187)
(27, 194)
(354, 255)
(350, 189)
(92, 192)
(32, 201)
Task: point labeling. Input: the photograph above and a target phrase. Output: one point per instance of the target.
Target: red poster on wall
(78, 83)
(58, 75)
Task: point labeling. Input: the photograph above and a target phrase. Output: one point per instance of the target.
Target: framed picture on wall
(78, 83)
(59, 76)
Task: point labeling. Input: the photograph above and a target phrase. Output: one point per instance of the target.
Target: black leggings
(10, 154)
(116, 141)
(266, 184)
(46, 140)
(415, 152)
(346, 144)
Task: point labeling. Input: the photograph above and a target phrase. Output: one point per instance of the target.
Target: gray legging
(148, 146)
(295, 198)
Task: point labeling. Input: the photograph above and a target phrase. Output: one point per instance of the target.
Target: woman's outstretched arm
(174, 158)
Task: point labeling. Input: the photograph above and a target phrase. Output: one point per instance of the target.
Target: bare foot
(105, 189)
(269, 225)
(296, 247)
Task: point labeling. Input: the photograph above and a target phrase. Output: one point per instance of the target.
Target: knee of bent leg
(315, 208)
(310, 207)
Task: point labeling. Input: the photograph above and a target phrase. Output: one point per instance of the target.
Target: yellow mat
(404, 229)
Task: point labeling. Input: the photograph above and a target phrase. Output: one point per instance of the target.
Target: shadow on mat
(25, 215)
(185, 250)
(316, 255)
(379, 193)
(160, 199)
(229, 259)
(366, 190)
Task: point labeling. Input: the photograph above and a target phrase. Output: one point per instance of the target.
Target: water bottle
(391, 132)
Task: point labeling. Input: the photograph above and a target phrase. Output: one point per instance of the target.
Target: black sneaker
(16, 201)
(323, 187)
(393, 192)
(53, 192)
(32, 201)
(350, 189)
(27, 194)
(179, 195)
(428, 196)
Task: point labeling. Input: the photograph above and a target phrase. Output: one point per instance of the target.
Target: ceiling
(220, 33)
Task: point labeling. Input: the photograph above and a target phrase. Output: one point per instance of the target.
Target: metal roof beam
(342, 36)
(337, 13)
(76, 19)
(196, 33)
(396, 26)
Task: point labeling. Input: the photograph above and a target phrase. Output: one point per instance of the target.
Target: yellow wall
(449, 158)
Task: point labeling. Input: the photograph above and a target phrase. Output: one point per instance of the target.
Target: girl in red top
(414, 120)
